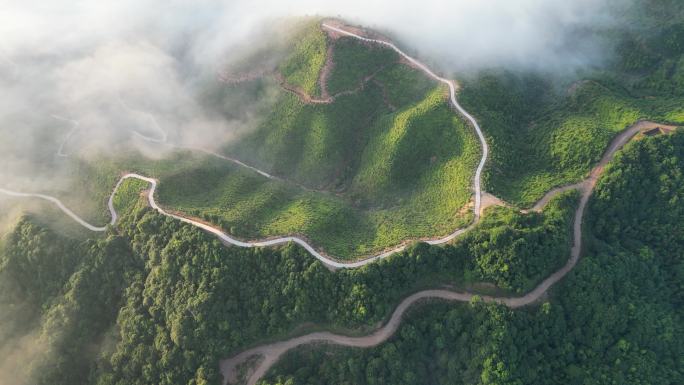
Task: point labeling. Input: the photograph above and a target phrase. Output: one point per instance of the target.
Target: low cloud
(17, 358)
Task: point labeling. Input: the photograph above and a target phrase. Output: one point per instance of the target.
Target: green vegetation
(59, 298)
(387, 162)
(128, 194)
(539, 141)
(160, 302)
(403, 150)
(250, 206)
(156, 301)
(616, 319)
(516, 251)
(404, 86)
(95, 183)
(302, 67)
(316, 144)
(354, 60)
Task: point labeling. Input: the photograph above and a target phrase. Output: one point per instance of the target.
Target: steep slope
(160, 302)
(318, 140)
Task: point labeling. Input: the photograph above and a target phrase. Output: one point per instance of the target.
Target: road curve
(327, 260)
(211, 229)
(270, 353)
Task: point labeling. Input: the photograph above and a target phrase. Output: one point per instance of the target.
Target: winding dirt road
(270, 353)
(325, 259)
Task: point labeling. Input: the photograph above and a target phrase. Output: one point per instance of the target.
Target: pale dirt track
(271, 353)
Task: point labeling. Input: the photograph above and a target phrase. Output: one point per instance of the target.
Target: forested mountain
(355, 149)
(362, 151)
(547, 130)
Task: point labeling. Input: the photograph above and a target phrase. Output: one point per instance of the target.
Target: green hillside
(322, 146)
(387, 160)
(366, 152)
(159, 301)
(302, 66)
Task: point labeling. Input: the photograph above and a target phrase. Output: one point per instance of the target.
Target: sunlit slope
(385, 160)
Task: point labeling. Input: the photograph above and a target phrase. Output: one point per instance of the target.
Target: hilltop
(359, 151)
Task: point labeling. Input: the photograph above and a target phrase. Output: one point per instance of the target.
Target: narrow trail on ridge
(270, 353)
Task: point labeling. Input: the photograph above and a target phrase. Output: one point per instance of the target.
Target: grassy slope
(320, 145)
(302, 66)
(250, 206)
(128, 194)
